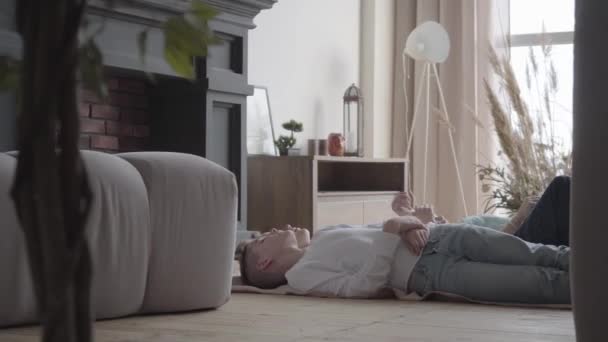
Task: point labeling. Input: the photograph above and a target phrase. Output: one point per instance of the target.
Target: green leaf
(180, 62)
(91, 68)
(293, 126)
(181, 34)
(10, 73)
(187, 37)
(203, 11)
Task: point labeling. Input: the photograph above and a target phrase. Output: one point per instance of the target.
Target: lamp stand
(426, 76)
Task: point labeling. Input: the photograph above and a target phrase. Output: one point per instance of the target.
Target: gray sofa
(162, 233)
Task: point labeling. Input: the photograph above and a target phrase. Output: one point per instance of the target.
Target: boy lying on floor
(475, 262)
(545, 220)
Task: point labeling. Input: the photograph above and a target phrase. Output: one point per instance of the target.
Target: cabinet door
(334, 213)
(377, 211)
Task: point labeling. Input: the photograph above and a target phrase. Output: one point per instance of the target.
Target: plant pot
(293, 152)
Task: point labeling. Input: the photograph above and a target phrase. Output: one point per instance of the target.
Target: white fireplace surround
(220, 91)
(118, 41)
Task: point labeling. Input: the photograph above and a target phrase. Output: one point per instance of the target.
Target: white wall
(377, 61)
(307, 53)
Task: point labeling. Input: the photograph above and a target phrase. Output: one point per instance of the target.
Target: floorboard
(263, 318)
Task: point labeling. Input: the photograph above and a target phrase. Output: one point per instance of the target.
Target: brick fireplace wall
(121, 124)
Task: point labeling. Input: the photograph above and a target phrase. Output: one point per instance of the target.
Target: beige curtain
(472, 26)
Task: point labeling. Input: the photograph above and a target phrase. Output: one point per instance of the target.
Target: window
(534, 24)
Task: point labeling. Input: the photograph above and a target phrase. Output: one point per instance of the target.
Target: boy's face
(302, 235)
(273, 243)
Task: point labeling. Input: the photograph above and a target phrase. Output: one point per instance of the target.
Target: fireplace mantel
(154, 12)
(129, 17)
(206, 116)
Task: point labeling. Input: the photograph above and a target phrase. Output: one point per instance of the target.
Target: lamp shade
(429, 42)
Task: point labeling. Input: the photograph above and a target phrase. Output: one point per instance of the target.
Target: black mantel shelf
(154, 12)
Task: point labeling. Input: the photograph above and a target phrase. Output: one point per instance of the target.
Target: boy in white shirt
(474, 262)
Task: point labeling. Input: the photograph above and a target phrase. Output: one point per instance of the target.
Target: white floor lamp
(430, 44)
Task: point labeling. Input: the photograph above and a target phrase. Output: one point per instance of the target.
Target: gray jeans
(487, 265)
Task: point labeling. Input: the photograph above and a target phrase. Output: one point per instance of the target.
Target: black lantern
(353, 121)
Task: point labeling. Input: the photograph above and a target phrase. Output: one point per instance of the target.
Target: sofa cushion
(17, 303)
(193, 206)
(119, 235)
(165, 244)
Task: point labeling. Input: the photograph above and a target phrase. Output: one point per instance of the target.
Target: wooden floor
(263, 318)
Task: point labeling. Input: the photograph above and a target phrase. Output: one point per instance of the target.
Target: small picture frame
(260, 129)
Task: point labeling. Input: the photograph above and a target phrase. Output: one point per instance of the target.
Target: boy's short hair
(250, 275)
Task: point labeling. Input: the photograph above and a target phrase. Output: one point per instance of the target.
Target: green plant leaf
(183, 42)
(203, 11)
(293, 126)
(91, 69)
(10, 73)
(189, 36)
(182, 35)
(284, 143)
(180, 62)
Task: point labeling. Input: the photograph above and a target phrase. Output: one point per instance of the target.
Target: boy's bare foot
(403, 204)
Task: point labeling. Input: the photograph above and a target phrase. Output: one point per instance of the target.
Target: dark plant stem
(50, 190)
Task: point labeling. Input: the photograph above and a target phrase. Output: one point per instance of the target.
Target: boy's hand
(425, 214)
(416, 240)
(402, 224)
(403, 204)
(440, 220)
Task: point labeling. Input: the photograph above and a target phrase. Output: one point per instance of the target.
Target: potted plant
(531, 153)
(285, 143)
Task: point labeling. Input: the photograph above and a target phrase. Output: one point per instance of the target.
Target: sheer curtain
(473, 25)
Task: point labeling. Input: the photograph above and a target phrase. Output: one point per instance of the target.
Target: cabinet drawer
(333, 213)
(377, 211)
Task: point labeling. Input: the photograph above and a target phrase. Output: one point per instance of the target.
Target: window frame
(538, 39)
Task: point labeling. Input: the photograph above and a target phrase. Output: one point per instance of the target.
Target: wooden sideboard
(314, 192)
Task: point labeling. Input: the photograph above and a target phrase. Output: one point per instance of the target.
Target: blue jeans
(486, 265)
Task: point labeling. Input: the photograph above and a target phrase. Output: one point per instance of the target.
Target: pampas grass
(531, 155)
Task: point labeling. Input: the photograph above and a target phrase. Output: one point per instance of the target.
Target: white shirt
(351, 263)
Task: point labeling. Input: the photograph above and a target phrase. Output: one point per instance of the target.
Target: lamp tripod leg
(415, 115)
(452, 145)
(426, 134)
(425, 71)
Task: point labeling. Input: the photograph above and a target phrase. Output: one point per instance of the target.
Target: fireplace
(120, 124)
(205, 116)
